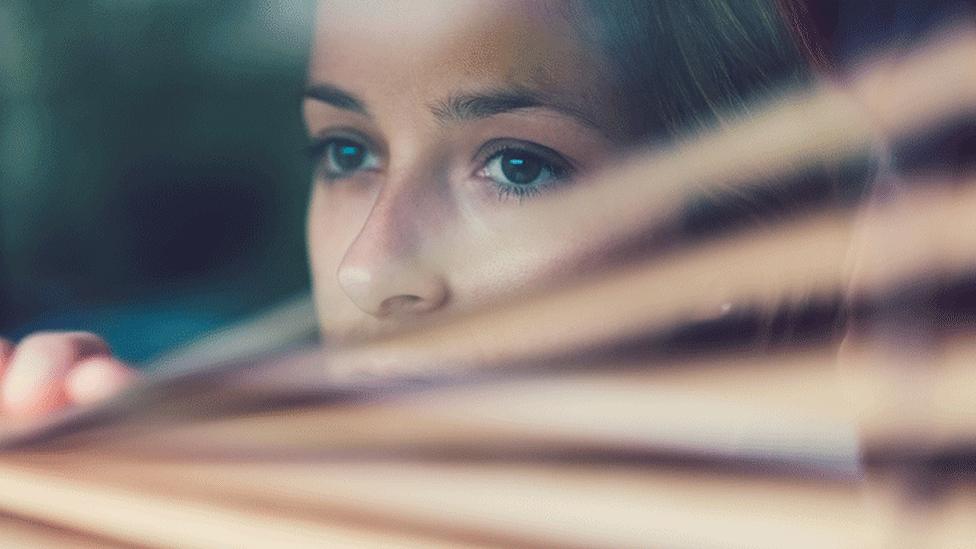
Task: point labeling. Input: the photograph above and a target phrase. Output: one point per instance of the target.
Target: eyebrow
(336, 97)
(476, 106)
(461, 107)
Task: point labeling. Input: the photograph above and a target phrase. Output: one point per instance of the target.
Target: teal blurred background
(153, 178)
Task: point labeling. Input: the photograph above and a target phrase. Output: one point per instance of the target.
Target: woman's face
(427, 119)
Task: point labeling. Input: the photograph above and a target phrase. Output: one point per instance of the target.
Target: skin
(469, 85)
(368, 232)
(48, 371)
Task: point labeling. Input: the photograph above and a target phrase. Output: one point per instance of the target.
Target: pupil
(348, 155)
(522, 169)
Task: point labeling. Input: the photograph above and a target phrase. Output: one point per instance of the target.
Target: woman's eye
(342, 157)
(521, 172)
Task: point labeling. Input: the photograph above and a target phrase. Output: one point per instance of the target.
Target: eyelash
(319, 147)
(559, 168)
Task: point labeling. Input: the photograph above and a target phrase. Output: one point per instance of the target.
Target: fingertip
(29, 388)
(96, 379)
(33, 383)
(36, 400)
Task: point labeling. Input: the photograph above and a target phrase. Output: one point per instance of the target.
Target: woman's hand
(49, 371)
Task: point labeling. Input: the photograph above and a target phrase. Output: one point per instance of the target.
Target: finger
(97, 378)
(34, 383)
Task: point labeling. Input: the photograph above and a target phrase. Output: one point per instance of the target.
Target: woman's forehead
(431, 48)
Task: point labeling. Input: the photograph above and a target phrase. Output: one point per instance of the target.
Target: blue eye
(342, 157)
(522, 172)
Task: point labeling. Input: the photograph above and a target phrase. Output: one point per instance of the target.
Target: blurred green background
(152, 170)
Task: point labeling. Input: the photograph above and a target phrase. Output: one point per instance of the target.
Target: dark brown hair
(682, 65)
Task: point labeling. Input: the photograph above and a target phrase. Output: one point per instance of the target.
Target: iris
(523, 169)
(520, 168)
(346, 155)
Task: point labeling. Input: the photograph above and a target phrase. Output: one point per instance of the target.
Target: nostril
(402, 304)
(391, 288)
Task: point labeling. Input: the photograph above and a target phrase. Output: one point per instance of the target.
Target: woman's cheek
(490, 263)
(489, 256)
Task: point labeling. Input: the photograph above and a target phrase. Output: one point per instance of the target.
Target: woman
(429, 118)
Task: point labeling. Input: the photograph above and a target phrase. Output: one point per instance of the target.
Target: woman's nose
(382, 272)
